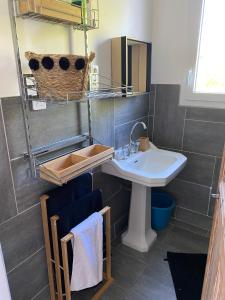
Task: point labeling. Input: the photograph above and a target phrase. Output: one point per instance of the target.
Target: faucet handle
(126, 151)
(119, 155)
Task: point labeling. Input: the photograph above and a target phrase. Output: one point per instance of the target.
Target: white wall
(173, 23)
(41, 37)
(4, 286)
(117, 18)
(8, 72)
(120, 18)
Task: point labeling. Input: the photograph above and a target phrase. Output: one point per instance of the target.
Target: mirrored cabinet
(131, 64)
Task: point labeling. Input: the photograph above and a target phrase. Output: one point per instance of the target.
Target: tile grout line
(204, 121)
(175, 211)
(26, 259)
(210, 192)
(202, 185)
(120, 218)
(149, 103)
(7, 148)
(148, 112)
(214, 169)
(148, 127)
(153, 118)
(193, 211)
(182, 140)
(16, 158)
(19, 213)
(114, 194)
(191, 152)
(114, 124)
(114, 230)
(197, 227)
(42, 290)
(209, 198)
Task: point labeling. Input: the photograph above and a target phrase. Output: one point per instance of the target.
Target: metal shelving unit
(28, 91)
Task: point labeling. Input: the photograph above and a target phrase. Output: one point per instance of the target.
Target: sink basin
(152, 168)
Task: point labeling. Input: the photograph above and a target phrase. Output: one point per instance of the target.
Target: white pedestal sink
(139, 235)
(152, 168)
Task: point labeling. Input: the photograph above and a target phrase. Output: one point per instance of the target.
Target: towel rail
(56, 291)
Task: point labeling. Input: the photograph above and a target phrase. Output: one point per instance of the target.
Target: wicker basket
(60, 77)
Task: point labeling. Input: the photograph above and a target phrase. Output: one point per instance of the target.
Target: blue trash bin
(163, 205)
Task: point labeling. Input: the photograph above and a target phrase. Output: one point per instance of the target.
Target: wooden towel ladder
(56, 289)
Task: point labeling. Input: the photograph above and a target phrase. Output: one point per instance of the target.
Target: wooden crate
(95, 152)
(65, 168)
(53, 10)
(64, 165)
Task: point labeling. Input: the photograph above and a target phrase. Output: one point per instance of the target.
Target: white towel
(87, 253)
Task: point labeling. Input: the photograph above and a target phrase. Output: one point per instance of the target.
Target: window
(204, 84)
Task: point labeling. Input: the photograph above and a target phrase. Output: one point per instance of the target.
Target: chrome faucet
(132, 130)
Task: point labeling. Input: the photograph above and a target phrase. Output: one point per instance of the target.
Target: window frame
(187, 96)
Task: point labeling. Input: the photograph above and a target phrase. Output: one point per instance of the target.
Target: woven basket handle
(29, 54)
(91, 57)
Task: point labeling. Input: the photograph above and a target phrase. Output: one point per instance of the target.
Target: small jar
(144, 144)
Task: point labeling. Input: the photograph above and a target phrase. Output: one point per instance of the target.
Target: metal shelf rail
(106, 91)
(36, 10)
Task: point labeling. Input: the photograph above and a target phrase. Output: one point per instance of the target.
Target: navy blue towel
(75, 213)
(79, 210)
(66, 194)
(73, 203)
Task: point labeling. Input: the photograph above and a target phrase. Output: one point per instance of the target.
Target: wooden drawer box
(53, 10)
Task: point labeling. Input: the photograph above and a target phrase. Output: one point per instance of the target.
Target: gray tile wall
(21, 233)
(198, 133)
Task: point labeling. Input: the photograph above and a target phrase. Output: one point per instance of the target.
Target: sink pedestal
(139, 235)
